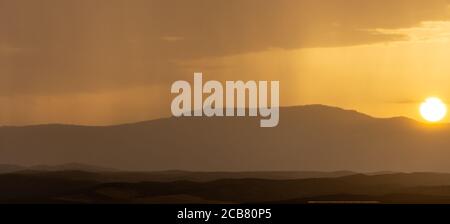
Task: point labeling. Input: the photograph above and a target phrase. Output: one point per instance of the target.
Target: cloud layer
(54, 47)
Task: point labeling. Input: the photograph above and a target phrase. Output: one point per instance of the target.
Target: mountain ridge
(313, 137)
(85, 187)
(307, 106)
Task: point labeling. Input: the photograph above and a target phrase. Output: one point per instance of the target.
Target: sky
(101, 62)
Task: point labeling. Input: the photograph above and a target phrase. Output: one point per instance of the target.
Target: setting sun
(433, 109)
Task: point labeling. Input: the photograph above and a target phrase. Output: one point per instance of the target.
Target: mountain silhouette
(71, 166)
(313, 137)
(85, 187)
(171, 176)
(9, 168)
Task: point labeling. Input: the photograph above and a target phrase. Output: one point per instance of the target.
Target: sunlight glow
(433, 109)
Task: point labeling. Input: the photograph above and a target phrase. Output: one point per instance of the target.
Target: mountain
(8, 168)
(313, 137)
(82, 187)
(71, 166)
(259, 190)
(171, 176)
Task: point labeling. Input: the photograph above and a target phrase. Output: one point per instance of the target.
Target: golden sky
(100, 62)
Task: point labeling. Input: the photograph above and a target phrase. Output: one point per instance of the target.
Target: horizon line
(169, 117)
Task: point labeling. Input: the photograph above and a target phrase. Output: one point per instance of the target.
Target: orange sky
(103, 62)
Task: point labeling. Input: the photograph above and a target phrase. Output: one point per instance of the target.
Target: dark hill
(308, 138)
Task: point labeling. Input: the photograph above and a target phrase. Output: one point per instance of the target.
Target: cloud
(432, 31)
(404, 101)
(90, 45)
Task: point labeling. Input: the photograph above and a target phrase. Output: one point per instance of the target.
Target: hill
(82, 187)
(311, 137)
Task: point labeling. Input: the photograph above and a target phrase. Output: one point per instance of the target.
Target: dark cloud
(404, 101)
(54, 46)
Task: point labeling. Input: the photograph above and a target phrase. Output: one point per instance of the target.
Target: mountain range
(90, 187)
(313, 137)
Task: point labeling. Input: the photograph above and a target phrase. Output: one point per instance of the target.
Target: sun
(433, 109)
